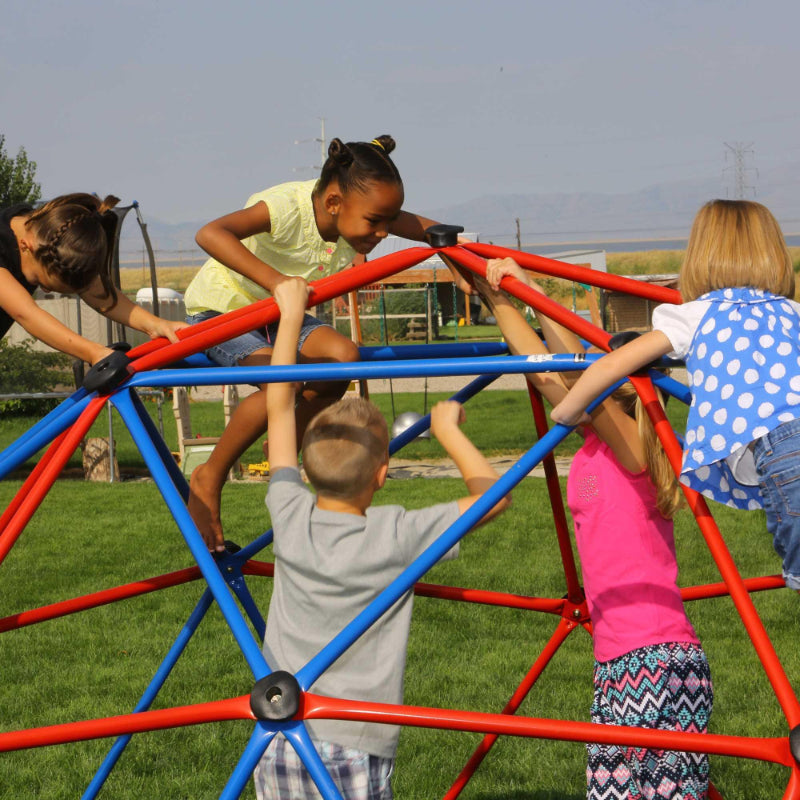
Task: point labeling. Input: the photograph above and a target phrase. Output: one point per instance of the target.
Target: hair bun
(385, 142)
(340, 153)
(107, 203)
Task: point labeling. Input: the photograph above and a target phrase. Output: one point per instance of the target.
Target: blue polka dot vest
(744, 373)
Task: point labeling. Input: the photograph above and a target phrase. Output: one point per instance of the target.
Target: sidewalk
(402, 469)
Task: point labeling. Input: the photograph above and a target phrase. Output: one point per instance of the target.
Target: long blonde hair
(735, 243)
(669, 496)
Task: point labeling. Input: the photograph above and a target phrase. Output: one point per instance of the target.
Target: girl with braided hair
(65, 246)
(304, 230)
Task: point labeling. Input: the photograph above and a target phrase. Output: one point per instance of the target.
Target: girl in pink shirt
(650, 670)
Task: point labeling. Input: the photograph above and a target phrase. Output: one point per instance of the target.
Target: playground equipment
(282, 702)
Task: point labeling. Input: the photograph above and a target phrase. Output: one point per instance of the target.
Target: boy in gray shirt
(334, 553)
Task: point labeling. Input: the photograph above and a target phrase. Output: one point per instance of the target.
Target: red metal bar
(775, 749)
(52, 469)
(30, 481)
(574, 588)
(574, 272)
(719, 551)
(721, 590)
(565, 627)
(96, 599)
(179, 717)
(537, 300)
(206, 334)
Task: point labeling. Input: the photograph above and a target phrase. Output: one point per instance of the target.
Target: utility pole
(322, 148)
(519, 240)
(738, 152)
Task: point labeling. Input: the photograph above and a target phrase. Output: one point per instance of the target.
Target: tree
(17, 184)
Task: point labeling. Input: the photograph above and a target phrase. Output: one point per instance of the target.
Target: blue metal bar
(424, 423)
(234, 578)
(191, 535)
(243, 771)
(459, 350)
(358, 370)
(42, 433)
(301, 741)
(405, 581)
(248, 551)
(178, 478)
(151, 692)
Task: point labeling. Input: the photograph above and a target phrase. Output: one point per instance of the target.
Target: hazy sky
(189, 107)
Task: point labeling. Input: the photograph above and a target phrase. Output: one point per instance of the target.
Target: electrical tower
(738, 152)
(322, 154)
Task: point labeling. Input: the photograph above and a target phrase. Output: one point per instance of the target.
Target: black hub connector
(443, 235)
(110, 371)
(276, 696)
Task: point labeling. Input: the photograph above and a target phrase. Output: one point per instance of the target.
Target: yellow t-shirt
(293, 247)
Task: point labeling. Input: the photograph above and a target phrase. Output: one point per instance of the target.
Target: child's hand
(563, 415)
(446, 414)
(167, 328)
(291, 295)
(498, 268)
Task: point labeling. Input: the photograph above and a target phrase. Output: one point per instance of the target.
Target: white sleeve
(679, 323)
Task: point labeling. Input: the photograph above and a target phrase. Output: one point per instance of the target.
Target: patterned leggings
(666, 687)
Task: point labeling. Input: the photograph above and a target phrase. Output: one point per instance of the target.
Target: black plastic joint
(622, 338)
(110, 371)
(276, 696)
(794, 742)
(443, 235)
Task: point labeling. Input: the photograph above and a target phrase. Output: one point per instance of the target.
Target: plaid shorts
(280, 775)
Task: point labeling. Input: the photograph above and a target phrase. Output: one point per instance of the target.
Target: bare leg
(248, 422)
(323, 345)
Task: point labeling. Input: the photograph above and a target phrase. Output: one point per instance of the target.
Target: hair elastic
(378, 144)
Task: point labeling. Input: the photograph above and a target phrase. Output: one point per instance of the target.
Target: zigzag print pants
(664, 686)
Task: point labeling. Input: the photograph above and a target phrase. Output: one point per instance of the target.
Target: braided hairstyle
(75, 239)
(356, 164)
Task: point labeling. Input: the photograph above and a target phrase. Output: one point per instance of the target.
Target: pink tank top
(627, 553)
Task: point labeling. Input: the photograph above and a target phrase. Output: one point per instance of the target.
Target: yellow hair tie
(378, 144)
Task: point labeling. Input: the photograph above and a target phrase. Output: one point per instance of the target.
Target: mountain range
(660, 211)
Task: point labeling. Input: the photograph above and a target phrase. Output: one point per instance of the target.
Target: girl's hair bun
(339, 153)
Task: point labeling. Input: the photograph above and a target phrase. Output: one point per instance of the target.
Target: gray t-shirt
(328, 567)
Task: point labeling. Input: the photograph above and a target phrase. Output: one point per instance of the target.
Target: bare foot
(204, 502)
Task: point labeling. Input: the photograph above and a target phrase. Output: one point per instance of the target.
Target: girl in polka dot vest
(738, 332)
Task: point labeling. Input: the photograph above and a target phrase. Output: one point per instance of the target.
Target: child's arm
(222, 239)
(291, 296)
(128, 313)
(520, 337)
(608, 370)
(610, 421)
(21, 307)
(477, 472)
(413, 226)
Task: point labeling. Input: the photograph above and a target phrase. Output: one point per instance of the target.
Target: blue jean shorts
(230, 353)
(777, 458)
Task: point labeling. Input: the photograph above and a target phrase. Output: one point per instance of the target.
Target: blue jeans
(777, 458)
(230, 353)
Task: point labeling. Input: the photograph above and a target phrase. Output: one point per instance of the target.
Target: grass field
(86, 537)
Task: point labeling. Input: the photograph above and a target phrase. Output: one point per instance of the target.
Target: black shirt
(9, 257)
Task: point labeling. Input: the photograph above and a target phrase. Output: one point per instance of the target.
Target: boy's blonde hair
(736, 243)
(344, 446)
(669, 496)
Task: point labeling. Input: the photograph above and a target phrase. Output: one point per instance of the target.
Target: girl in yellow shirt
(304, 229)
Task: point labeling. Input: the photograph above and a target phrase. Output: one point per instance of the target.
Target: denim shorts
(777, 458)
(230, 353)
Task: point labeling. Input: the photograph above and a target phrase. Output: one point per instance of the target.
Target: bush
(24, 370)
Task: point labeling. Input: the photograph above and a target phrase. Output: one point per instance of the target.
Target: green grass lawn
(87, 537)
